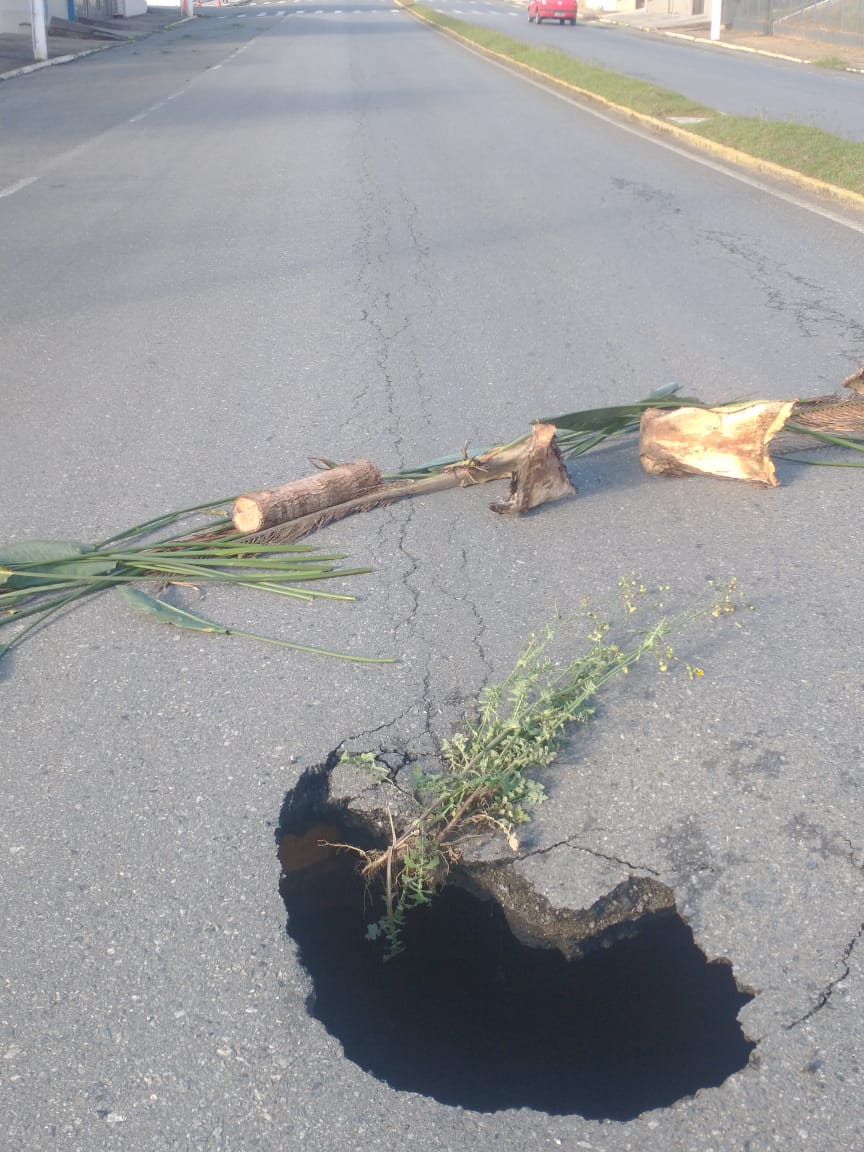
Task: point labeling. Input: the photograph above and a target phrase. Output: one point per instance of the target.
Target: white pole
(37, 27)
(187, 8)
(716, 16)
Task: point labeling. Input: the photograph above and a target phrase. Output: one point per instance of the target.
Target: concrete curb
(593, 18)
(701, 40)
(725, 45)
(739, 48)
(690, 140)
(40, 64)
(69, 57)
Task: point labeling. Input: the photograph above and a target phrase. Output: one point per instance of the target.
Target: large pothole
(472, 1016)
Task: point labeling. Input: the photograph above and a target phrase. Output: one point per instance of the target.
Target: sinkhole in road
(471, 1017)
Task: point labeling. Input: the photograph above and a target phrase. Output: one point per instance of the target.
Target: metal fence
(830, 21)
(100, 10)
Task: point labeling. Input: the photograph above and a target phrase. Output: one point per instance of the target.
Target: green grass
(834, 63)
(798, 147)
(636, 94)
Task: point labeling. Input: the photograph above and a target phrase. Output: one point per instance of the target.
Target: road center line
(230, 56)
(77, 149)
(155, 107)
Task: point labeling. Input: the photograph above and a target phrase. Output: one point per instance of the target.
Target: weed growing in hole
(486, 783)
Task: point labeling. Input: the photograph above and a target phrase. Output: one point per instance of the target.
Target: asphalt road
(246, 242)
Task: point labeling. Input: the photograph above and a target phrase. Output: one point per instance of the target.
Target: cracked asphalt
(347, 236)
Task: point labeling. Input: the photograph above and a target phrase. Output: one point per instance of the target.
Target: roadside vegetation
(798, 147)
(834, 63)
(795, 146)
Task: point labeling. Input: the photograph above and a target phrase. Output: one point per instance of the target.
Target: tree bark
(260, 510)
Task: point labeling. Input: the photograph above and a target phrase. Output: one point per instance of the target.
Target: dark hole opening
(471, 1017)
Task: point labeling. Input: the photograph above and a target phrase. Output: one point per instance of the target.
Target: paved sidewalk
(699, 28)
(16, 50)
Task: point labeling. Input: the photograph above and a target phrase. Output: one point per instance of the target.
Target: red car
(564, 11)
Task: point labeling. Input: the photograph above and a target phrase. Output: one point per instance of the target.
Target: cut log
(260, 510)
(461, 475)
(288, 513)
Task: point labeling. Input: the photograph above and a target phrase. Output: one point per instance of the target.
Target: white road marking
(161, 103)
(85, 145)
(17, 186)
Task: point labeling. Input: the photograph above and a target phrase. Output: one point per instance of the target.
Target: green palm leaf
(180, 618)
(36, 562)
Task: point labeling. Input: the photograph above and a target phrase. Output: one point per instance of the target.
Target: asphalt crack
(827, 992)
(786, 292)
(568, 843)
(475, 640)
(408, 625)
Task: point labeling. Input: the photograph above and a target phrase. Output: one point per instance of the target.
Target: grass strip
(797, 147)
(642, 97)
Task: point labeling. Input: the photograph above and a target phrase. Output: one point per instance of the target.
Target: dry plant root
(539, 477)
(731, 443)
(856, 381)
(837, 415)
